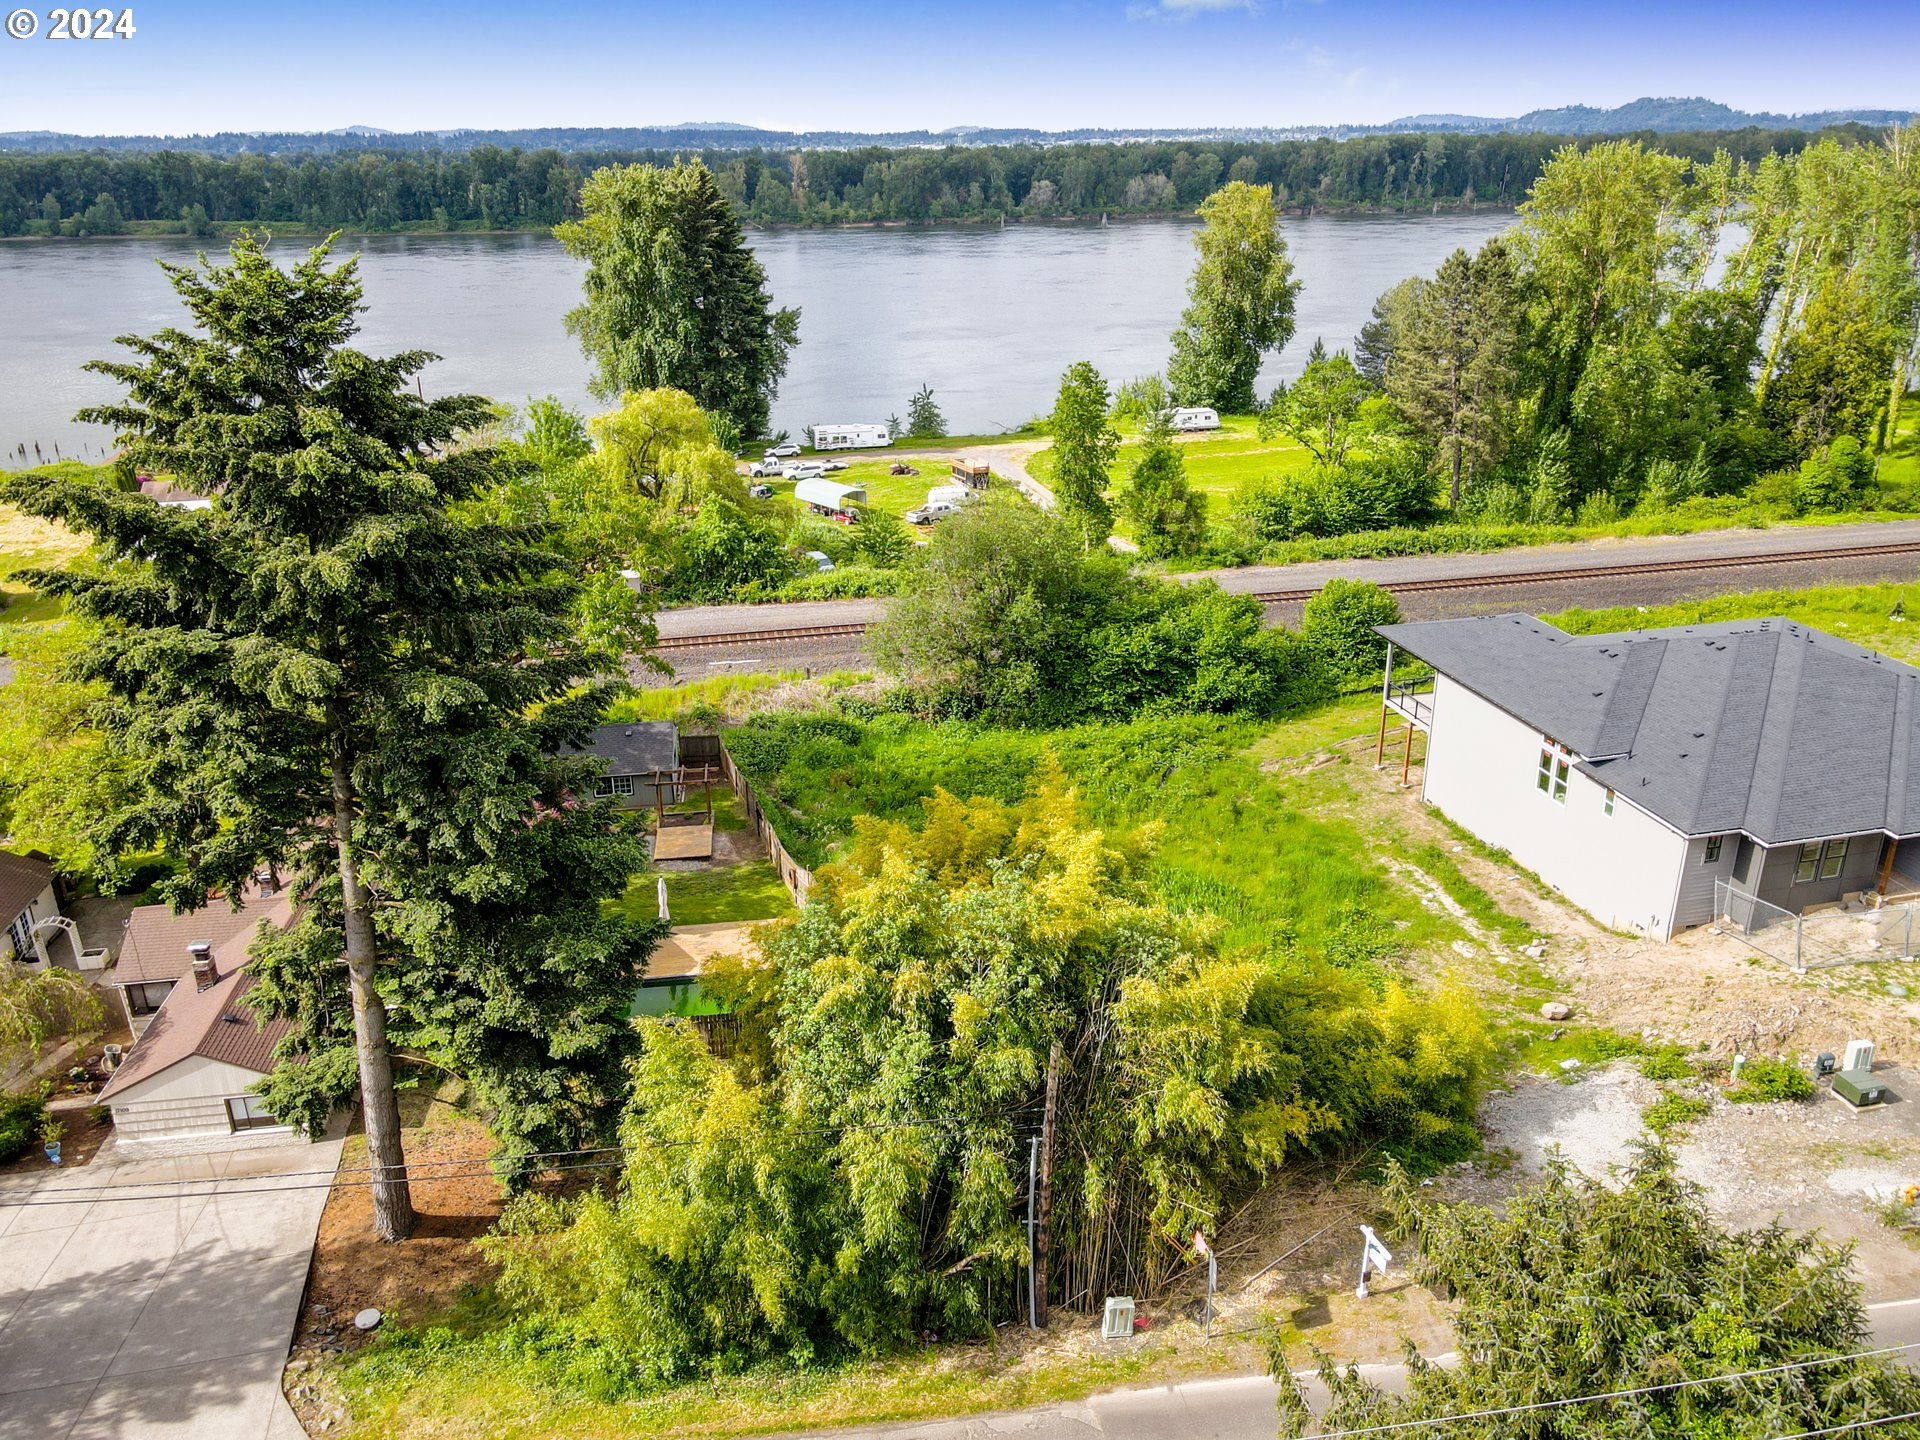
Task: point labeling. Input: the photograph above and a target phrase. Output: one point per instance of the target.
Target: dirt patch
(80, 1138)
(456, 1199)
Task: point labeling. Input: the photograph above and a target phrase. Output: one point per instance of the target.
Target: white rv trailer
(1196, 417)
(851, 437)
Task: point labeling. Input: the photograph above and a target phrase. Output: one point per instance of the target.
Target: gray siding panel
(1694, 906)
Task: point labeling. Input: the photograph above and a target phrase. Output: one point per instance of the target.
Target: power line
(1688, 1384)
(1851, 1425)
(330, 1179)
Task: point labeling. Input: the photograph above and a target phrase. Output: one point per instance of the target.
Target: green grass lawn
(1220, 463)
(1258, 845)
(706, 897)
(1901, 463)
(1881, 617)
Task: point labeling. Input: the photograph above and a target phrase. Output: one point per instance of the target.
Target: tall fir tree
(333, 674)
(675, 299)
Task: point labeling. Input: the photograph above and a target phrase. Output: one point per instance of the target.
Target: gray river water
(988, 317)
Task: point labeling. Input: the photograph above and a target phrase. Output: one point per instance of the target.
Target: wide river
(987, 317)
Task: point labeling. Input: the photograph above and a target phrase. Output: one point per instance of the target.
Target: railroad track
(804, 633)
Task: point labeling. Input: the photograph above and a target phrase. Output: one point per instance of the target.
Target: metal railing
(1819, 940)
(1413, 699)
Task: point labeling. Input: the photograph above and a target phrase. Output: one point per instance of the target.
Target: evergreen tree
(1373, 346)
(1576, 1287)
(923, 416)
(1169, 516)
(1084, 444)
(1239, 301)
(1452, 373)
(332, 674)
(675, 299)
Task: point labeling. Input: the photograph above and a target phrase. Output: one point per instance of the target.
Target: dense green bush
(1337, 625)
(852, 1181)
(1762, 1079)
(21, 1115)
(1374, 492)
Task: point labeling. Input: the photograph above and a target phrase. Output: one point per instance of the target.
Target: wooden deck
(683, 842)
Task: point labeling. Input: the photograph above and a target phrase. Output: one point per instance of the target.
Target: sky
(195, 66)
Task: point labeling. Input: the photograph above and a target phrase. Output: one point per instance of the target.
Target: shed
(26, 899)
(642, 759)
(972, 474)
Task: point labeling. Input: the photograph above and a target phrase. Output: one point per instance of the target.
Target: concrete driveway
(156, 1297)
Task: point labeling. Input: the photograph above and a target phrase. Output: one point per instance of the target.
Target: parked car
(829, 466)
(803, 469)
(764, 469)
(932, 512)
(821, 560)
(781, 452)
(760, 492)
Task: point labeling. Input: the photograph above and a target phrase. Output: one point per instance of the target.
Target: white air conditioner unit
(1859, 1055)
(113, 1055)
(1117, 1322)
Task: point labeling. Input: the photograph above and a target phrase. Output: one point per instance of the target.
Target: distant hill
(1661, 115)
(1648, 114)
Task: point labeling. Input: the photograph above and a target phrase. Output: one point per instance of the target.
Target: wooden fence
(795, 876)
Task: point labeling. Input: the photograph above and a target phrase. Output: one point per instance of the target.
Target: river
(988, 317)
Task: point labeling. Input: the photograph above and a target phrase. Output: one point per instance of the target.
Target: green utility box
(1858, 1087)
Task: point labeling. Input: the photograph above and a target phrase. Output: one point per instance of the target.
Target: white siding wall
(1482, 766)
(41, 907)
(187, 1098)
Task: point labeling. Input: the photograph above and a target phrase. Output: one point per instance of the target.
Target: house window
(145, 999)
(602, 788)
(249, 1112)
(1555, 762)
(1822, 860)
(21, 933)
(1607, 807)
(623, 784)
(1713, 849)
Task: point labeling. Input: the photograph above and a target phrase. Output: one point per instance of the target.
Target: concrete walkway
(157, 1297)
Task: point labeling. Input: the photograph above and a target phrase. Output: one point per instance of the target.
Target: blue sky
(202, 65)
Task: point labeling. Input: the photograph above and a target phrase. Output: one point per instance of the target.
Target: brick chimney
(205, 972)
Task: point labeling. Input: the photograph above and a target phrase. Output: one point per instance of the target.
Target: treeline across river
(487, 188)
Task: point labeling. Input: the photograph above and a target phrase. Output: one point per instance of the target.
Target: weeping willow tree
(856, 1174)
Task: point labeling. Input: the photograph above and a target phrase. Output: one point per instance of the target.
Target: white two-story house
(1633, 771)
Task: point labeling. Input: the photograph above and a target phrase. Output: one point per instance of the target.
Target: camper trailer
(851, 437)
(970, 474)
(1196, 417)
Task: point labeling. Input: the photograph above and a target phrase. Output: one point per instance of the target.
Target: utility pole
(1033, 1167)
(1043, 1241)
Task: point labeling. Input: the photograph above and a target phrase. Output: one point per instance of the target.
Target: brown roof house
(201, 1048)
(160, 946)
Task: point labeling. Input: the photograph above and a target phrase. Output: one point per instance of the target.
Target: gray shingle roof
(638, 747)
(1765, 726)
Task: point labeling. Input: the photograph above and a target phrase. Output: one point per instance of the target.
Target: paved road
(1534, 597)
(1233, 1408)
(170, 1315)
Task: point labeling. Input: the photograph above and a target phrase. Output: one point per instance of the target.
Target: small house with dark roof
(1655, 777)
(643, 762)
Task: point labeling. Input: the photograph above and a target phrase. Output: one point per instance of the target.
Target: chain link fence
(1817, 941)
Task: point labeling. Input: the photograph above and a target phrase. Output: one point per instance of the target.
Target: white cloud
(1187, 9)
